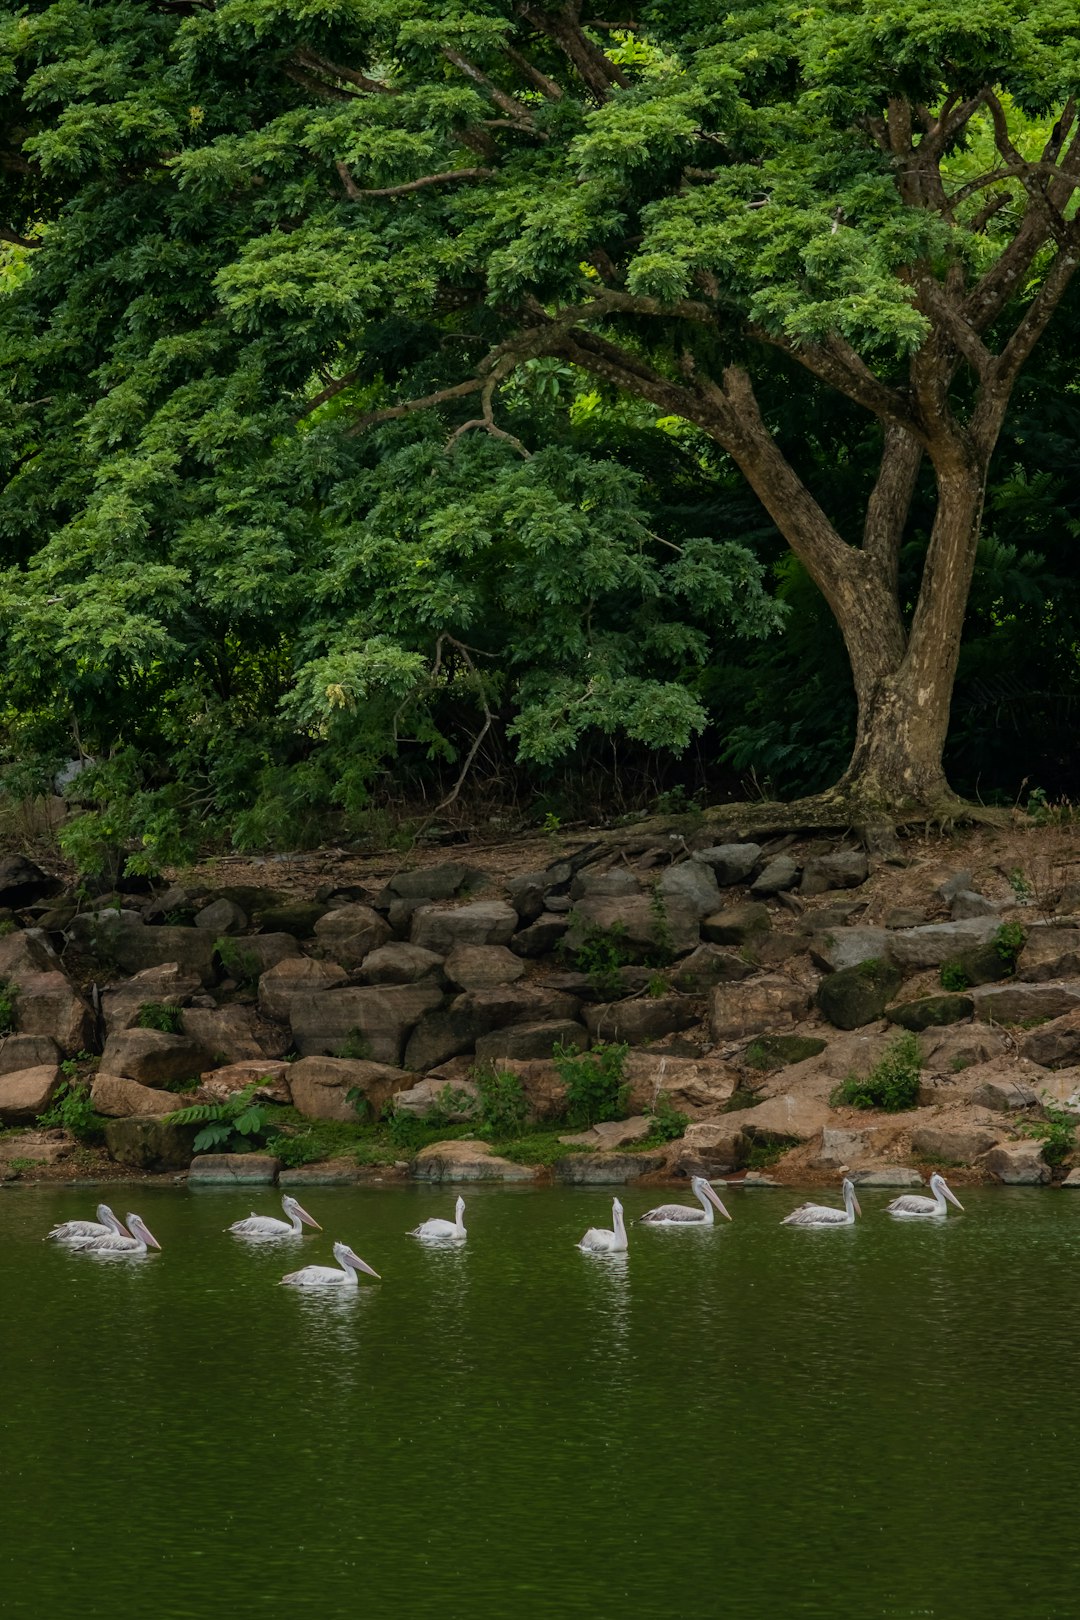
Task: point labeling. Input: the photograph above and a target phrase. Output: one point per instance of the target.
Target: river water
(747, 1421)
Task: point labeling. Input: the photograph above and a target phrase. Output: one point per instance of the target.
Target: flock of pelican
(110, 1236)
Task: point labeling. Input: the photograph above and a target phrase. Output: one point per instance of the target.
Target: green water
(748, 1421)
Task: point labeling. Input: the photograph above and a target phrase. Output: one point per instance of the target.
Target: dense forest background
(262, 625)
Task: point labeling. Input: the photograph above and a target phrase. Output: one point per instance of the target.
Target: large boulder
(22, 882)
(26, 1093)
(953, 1049)
(758, 1005)
(712, 1147)
(228, 1033)
(956, 1143)
(350, 933)
(606, 1169)
(786, 1118)
(116, 1098)
(485, 922)
(1004, 1093)
(709, 965)
(690, 1085)
(454, 1102)
(480, 967)
(233, 1170)
(293, 976)
(531, 1040)
(269, 1076)
(295, 917)
(375, 1020)
(320, 1087)
(847, 869)
(744, 925)
(1018, 1164)
(643, 926)
(856, 996)
(730, 863)
(122, 941)
(154, 1058)
(916, 948)
(693, 884)
(222, 917)
(770, 1052)
(639, 1021)
(441, 882)
(541, 935)
(248, 958)
(48, 1004)
(399, 963)
(1055, 1045)
(1049, 953)
(467, 1161)
(150, 1143)
(849, 947)
(168, 985)
(779, 874)
(930, 1011)
(1016, 1003)
(27, 1052)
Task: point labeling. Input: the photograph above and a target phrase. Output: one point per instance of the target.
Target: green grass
(891, 1085)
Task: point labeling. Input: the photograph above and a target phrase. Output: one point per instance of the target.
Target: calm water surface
(749, 1421)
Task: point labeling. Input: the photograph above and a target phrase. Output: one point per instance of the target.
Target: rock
(27, 1052)
(692, 883)
(320, 1087)
(1055, 1045)
(486, 922)
(350, 933)
(640, 1021)
(844, 1147)
(295, 917)
(966, 903)
(738, 925)
(982, 964)
(770, 1052)
(47, 1004)
(786, 1118)
(847, 869)
(531, 1040)
(22, 882)
(526, 893)
(26, 1093)
(541, 936)
(960, 882)
(689, 1084)
(916, 948)
(780, 873)
(856, 996)
(615, 1133)
(398, 963)
(954, 1144)
(759, 1004)
(929, 1011)
(166, 986)
(542, 1084)
(1049, 953)
(124, 942)
(43, 1147)
(453, 1103)
(293, 976)
(712, 1147)
(150, 1143)
(438, 1037)
(730, 863)
(440, 882)
(1072, 1179)
(953, 1050)
(270, 1076)
(612, 883)
(247, 959)
(376, 1018)
(233, 1169)
(849, 948)
(1015, 1003)
(116, 1098)
(887, 1176)
(1003, 1094)
(154, 1058)
(338, 1173)
(905, 917)
(221, 917)
(822, 919)
(467, 1161)
(709, 965)
(642, 927)
(477, 967)
(606, 1169)
(227, 1033)
(1018, 1164)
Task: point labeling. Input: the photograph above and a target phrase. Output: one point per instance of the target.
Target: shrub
(71, 1110)
(356, 1046)
(1009, 941)
(892, 1085)
(952, 976)
(668, 1124)
(240, 964)
(8, 996)
(503, 1105)
(1056, 1131)
(158, 1015)
(234, 1125)
(595, 1087)
(601, 954)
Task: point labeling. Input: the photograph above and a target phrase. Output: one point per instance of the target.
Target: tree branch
(413, 185)
(509, 104)
(16, 240)
(546, 86)
(390, 413)
(890, 501)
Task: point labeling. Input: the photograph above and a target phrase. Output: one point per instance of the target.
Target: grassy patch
(159, 1015)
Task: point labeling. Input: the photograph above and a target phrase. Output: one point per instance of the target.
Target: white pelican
(914, 1207)
(429, 1231)
(106, 1222)
(598, 1240)
(825, 1214)
(270, 1226)
(329, 1276)
(686, 1214)
(138, 1239)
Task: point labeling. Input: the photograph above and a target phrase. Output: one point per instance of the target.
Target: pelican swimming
(429, 1231)
(598, 1240)
(106, 1223)
(136, 1240)
(686, 1214)
(269, 1225)
(914, 1207)
(328, 1276)
(825, 1214)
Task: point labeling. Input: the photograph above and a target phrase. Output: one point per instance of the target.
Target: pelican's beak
(715, 1201)
(362, 1265)
(857, 1205)
(308, 1220)
(151, 1239)
(951, 1196)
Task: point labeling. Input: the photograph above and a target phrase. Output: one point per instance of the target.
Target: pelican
(825, 1214)
(106, 1223)
(914, 1207)
(598, 1240)
(685, 1214)
(429, 1231)
(327, 1276)
(136, 1240)
(270, 1226)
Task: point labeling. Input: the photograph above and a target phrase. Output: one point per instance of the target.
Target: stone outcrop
(144, 1143)
(642, 926)
(1018, 1164)
(26, 1093)
(639, 1021)
(1055, 1045)
(758, 1005)
(233, 1170)
(467, 1161)
(293, 976)
(153, 1057)
(116, 1098)
(321, 1087)
(350, 933)
(485, 922)
(856, 996)
(378, 1018)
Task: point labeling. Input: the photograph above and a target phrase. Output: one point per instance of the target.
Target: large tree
(393, 206)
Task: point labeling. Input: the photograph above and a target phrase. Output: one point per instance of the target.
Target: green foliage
(661, 926)
(9, 994)
(1019, 884)
(892, 1084)
(1009, 941)
(762, 1155)
(667, 1123)
(356, 1045)
(234, 1125)
(1056, 1131)
(239, 960)
(71, 1110)
(596, 1088)
(504, 1108)
(951, 976)
(159, 1015)
(601, 953)
(8, 925)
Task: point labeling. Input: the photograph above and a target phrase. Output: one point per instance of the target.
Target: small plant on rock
(234, 1125)
(239, 962)
(952, 976)
(8, 997)
(891, 1085)
(504, 1107)
(1009, 941)
(596, 1089)
(667, 1123)
(159, 1015)
(71, 1110)
(1056, 1131)
(356, 1046)
(602, 952)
